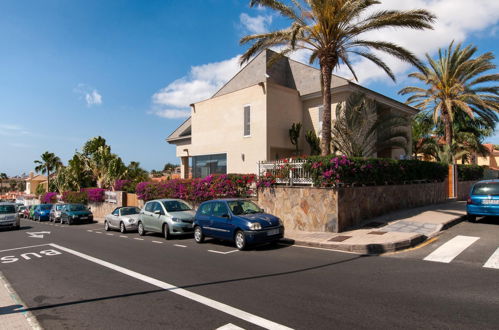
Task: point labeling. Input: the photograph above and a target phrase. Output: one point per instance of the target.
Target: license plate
(83, 218)
(273, 232)
(491, 202)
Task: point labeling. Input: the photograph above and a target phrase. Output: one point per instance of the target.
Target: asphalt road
(89, 278)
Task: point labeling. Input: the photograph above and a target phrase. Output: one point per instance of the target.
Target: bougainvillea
(120, 185)
(95, 194)
(49, 198)
(77, 197)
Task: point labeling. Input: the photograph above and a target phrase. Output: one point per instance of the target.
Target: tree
(169, 168)
(294, 135)
(48, 163)
(332, 31)
(314, 142)
(454, 85)
(136, 173)
(362, 129)
(3, 176)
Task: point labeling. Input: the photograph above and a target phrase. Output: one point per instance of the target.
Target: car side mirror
(226, 216)
(158, 212)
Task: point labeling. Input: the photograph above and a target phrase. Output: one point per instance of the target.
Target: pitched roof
(182, 132)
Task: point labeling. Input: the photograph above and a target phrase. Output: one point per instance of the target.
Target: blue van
(237, 220)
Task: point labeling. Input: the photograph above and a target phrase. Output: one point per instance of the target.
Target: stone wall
(463, 189)
(335, 210)
(100, 210)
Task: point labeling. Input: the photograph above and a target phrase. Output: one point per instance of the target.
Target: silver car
(55, 212)
(122, 218)
(9, 216)
(166, 216)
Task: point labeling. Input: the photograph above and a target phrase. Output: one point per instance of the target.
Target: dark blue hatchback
(483, 199)
(237, 220)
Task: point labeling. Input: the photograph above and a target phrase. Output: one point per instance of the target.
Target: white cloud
(257, 25)
(12, 130)
(200, 84)
(89, 94)
(456, 20)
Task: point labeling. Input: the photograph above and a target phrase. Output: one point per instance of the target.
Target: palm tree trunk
(326, 76)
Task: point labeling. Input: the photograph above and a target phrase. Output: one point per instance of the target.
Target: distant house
(248, 119)
(33, 181)
(491, 159)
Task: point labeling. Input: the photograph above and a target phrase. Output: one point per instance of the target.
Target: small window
(149, 207)
(116, 212)
(157, 207)
(247, 120)
(205, 209)
(220, 209)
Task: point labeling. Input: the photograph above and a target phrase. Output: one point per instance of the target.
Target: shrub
(49, 198)
(94, 194)
(76, 197)
(469, 172)
(119, 185)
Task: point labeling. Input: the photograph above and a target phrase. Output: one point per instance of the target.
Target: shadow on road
(12, 310)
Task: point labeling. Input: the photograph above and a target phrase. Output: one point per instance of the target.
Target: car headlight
(131, 220)
(175, 219)
(255, 226)
(74, 216)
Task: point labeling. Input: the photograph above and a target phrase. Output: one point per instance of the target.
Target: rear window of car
(4, 209)
(486, 189)
(46, 207)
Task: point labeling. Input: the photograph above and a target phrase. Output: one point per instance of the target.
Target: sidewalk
(10, 304)
(391, 232)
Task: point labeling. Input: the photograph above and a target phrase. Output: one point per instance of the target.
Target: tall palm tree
(49, 163)
(362, 129)
(454, 86)
(333, 30)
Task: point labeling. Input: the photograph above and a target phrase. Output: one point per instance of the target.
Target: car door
(147, 215)
(203, 218)
(220, 222)
(158, 219)
(114, 218)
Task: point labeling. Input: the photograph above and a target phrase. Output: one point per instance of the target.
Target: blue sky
(127, 70)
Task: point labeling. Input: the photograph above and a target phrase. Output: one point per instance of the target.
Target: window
(203, 166)
(219, 209)
(176, 206)
(149, 207)
(116, 212)
(205, 209)
(157, 207)
(247, 120)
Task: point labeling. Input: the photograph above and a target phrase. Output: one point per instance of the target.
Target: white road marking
(157, 242)
(180, 245)
(123, 236)
(220, 252)
(90, 231)
(97, 232)
(139, 239)
(230, 326)
(110, 234)
(316, 248)
(24, 247)
(451, 249)
(38, 234)
(493, 261)
(248, 317)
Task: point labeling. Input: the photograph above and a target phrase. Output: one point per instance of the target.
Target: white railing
(288, 172)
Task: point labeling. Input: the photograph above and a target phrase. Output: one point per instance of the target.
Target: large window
(247, 120)
(210, 164)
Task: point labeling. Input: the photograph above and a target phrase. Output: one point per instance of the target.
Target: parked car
(31, 211)
(55, 212)
(237, 220)
(167, 216)
(9, 216)
(72, 213)
(20, 211)
(42, 212)
(483, 200)
(26, 212)
(123, 218)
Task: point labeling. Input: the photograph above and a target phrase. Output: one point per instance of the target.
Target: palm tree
(48, 163)
(362, 129)
(454, 87)
(333, 30)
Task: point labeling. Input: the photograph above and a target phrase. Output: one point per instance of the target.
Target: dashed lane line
(157, 242)
(233, 311)
(98, 232)
(122, 236)
(180, 245)
(110, 234)
(138, 239)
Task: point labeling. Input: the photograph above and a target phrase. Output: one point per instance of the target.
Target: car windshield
(46, 207)
(4, 209)
(244, 207)
(176, 206)
(486, 189)
(130, 210)
(77, 207)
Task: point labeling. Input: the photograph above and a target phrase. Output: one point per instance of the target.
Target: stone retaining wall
(463, 189)
(334, 210)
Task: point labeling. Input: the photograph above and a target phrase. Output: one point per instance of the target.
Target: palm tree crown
(49, 162)
(332, 30)
(454, 87)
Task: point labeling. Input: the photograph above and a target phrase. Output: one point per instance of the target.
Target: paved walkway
(10, 317)
(394, 231)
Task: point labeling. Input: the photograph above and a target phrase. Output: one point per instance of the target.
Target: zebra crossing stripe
(451, 249)
(493, 261)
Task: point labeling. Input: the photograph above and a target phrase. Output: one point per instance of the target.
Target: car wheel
(70, 221)
(122, 228)
(166, 232)
(106, 226)
(198, 235)
(240, 239)
(471, 218)
(141, 230)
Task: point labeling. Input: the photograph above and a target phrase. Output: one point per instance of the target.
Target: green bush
(75, 197)
(470, 172)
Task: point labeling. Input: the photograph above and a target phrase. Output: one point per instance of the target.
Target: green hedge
(470, 172)
(334, 170)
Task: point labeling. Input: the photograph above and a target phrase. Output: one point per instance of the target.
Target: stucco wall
(335, 210)
(100, 210)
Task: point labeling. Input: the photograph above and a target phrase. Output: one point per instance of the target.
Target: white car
(122, 218)
(9, 216)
